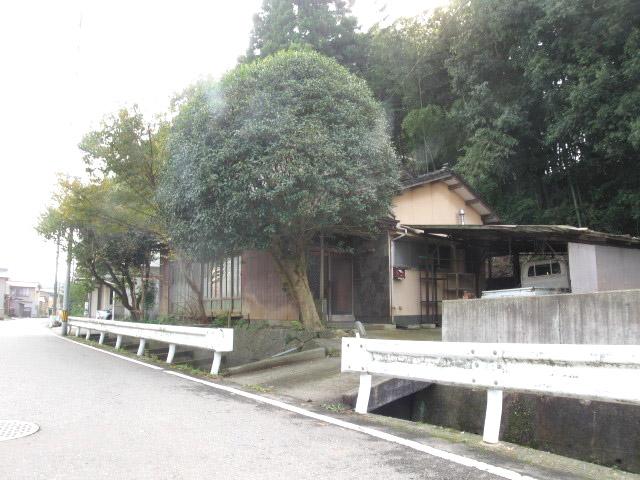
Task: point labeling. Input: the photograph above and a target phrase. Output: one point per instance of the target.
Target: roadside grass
(259, 388)
(336, 407)
(149, 358)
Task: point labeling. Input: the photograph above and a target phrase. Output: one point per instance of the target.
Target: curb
(303, 356)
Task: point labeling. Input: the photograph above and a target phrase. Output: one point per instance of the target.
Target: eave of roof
(553, 233)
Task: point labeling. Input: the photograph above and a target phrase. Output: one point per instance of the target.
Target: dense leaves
(282, 150)
(115, 220)
(536, 102)
(326, 26)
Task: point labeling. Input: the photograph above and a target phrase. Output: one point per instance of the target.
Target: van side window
(555, 268)
(543, 269)
(531, 272)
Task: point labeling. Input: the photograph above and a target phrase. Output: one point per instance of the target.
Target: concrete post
(141, 347)
(171, 353)
(88, 336)
(215, 366)
(118, 341)
(101, 340)
(493, 416)
(364, 391)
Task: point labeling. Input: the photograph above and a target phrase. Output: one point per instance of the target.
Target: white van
(551, 272)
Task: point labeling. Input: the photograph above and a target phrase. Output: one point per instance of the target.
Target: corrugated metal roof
(554, 233)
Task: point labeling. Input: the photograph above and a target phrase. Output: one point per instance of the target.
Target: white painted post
(493, 416)
(77, 331)
(101, 340)
(141, 347)
(118, 341)
(172, 352)
(215, 366)
(364, 391)
(88, 335)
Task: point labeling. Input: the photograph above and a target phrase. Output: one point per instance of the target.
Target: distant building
(103, 298)
(24, 298)
(46, 301)
(4, 293)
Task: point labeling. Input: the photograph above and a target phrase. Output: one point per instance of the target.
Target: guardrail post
(141, 347)
(118, 341)
(77, 331)
(171, 353)
(493, 416)
(88, 335)
(101, 340)
(364, 391)
(215, 366)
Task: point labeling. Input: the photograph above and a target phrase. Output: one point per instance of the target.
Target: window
(21, 291)
(223, 279)
(544, 269)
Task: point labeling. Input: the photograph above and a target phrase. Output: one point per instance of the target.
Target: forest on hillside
(535, 102)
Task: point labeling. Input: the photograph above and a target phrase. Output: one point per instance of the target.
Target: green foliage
(326, 26)
(296, 325)
(130, 152)
(256, 387)
(431, 134)
(336, 407)
(78, 296)
(285, 148)
(541, 97)
(282, 150)
(116, 222)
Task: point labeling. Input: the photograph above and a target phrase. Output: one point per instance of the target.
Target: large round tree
(278, 152)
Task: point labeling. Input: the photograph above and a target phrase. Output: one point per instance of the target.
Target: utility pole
(55, 282)
(67, 285)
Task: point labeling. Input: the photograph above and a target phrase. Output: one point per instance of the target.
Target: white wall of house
(597, 268)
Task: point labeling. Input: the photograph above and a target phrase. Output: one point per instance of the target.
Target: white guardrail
(609, 373)
(217, 339)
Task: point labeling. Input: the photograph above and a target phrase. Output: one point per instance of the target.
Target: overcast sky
(66, 64)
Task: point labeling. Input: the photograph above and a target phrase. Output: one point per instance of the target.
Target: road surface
(103, 417)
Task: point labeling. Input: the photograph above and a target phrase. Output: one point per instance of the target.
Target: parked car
(104, 314)
(550, 272)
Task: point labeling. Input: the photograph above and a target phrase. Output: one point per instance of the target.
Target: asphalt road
(103, 417)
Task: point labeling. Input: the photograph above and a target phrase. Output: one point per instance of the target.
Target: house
(23, 298)
(46, 301)
(350, 278)
(444, 242)
(103, 297)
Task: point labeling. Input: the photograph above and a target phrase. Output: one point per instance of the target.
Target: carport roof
(522, 234)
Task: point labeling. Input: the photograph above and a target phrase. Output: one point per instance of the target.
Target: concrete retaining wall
(611, 318)
(599, 432)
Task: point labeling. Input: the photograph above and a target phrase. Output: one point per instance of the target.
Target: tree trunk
(293, 270)
(195, 288)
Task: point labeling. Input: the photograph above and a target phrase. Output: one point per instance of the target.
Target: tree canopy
(114, 218)
(535, 102)
(280, 151)
(326, 26)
